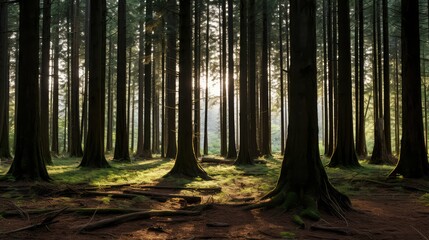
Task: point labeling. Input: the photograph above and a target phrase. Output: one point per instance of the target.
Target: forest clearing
(382, 208)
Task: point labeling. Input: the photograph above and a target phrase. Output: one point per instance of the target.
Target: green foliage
(287, 235)
(425, 198)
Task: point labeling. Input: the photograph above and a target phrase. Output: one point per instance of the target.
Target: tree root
(132, 217)
(81, 211)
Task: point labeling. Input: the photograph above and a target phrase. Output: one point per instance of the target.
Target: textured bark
(109, 130)
(139, 152)
(121, 141)
(251, 80)
(303, 180)
(28, 163)
(186, 162)
(206, 102)
(243, 157)
(4, 83)
(386, 77)
(93, 155)
(197, 70)
(147, 152)
(44, 82)
(413, 161)
(223, 140)
(171, 79)
(344, 154)
(232, 150)
(55, 89)
(264, 92)
(330, 103)
(282, 91)
(75, 140)
(380, 153)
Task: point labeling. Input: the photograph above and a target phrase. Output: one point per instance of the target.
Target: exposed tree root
(213, 189)
(44, 223)
(81, 211)
(189, 199)
(132, 217)
(338, 230)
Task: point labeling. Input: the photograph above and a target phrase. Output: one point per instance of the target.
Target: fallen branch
(189, 199)
(45, 223)
(132, 217)
(216, 160)
(338, 230)
(213, 189)
(81, 211)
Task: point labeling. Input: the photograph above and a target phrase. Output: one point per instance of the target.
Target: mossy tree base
(380, 155)
(188, 168)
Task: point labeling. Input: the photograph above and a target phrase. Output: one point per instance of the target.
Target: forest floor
(77, 198)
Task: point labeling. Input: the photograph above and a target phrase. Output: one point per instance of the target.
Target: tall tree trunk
(75, 140)
(109, 132)
(121, 140)
(84, 121)
(303, 180)
(147, 152)
(4, 82)
(171, 78)
(197, 69)
(251, 85)
(325, 80)
(232, 150)
(163, 103)
(344, 154)
(244, 156)
(386, 75)
(264, 92)
(397, 142)
(155, 101)
(413, 161)
(206, 103)
(186, 162)
(44, 82)
(331, 80)
(282, 91)
(29, 163)
(93, 156)
(140, 140)
(224, 143)
(55, 89)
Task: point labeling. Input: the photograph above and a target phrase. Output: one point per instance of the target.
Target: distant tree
(243, 157)
(303, 180)
(223, 120)
(232, 151)
(140, 140)
(4, 82)
(147, 152)
(251, 80)
(55, 88)
(75, 139)
(197, 70)
(171, 78)
(264, 92)
(121, 142)
(28, 163)
(186, 162)
(344, 153)
(206, 94)
(413, 161)
(93, 155)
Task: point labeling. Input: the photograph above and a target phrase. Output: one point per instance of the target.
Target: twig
(420, 233)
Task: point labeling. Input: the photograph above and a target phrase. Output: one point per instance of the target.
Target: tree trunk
(232, 150)
(264, 92)
(386, 75)
(224, 143)
(55, 89)
(93, 155)
(206, 103)
(303, 180)
(147, 152)
(330, 150)
(413, 161)
(186, 162)
(244, 156)
(140, 140)
(171, 78)
(197, 69)
(75, 140)
(121, 141)
(109, 132)
(4, 82)
(29, 162)
(251, 85)
(344, 154)
(44, 82)
(282, 91)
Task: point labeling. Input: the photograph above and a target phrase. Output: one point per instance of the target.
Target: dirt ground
(382, 213)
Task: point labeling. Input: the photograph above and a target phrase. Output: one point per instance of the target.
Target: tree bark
(186, 162)
(344, 153)
(121, 141)
(197, 70)
(93, 156)
(232, 150)
(55, 89)
(140, 140)
(171, 78)
(29, 163)
(244, 157)
(413, 161)
(303, 180)
(4, 82)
